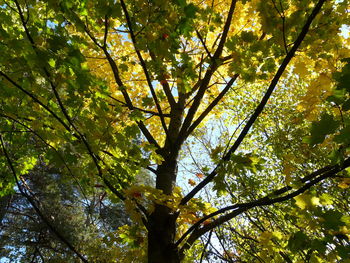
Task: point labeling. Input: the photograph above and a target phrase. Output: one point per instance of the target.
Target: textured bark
(162, 227)
(161, 234)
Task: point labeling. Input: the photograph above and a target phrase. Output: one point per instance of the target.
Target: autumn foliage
(238, 110)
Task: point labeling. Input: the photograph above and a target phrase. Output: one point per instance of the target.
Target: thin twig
(261, 105)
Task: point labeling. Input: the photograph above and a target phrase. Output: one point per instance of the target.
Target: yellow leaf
(315, 201)
(301, 69)
(306, 201)
(300, 202)
(278, 234)
(265, 237)
(345, 183)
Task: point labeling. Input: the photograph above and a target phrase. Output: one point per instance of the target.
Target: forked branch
(195, 231)
(122, 87)
(261, 105)
(203, 83)
(144, 67)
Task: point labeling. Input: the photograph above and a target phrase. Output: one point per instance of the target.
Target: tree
(81, 215)
(250, 97)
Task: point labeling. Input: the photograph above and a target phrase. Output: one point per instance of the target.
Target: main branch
(144, 67)
(310, 181)
(261, 105)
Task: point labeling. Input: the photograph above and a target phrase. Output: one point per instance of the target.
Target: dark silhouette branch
(47, 73)
(139, 109)
(126, 96)
(106, 31)
(310, 180)
(203, 44)
(283, 17)
(36, 100)
(205, 247)
(78, 134)
(48, 145)
(212, 105)
(122, 87)
(203, 83)
(168, 93)
(164, 83)
(36, 208)
(261, 105)
(227, 26)
(144, 67)
(236, 206)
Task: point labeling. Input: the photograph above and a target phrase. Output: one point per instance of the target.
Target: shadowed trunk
(161, 248)
(162, 227)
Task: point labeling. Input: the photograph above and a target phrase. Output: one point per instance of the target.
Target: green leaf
(52, 62)
(344, 136)
(248, 36)
(346, 105)
(337, 97)
(123, 67)
(136, 115)
(319, 245)
(332, 220)
(190, 11)
(320, 129)
(298, 241)
(344, 251)
(343, 77)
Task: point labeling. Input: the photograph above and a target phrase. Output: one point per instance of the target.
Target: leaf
(191, 182)
(343, 137)
(137, 115)
(248, 36)
(343, 77)
(304, 201)
(326, 199)
(265, 237)
(332, 220)
(52, 62)
(319, 245)
(190, 10)
(301, 69)
(298, 241)
(200, 175)
(320, 129)
(344, 251)
(345, 183)
(346, 105)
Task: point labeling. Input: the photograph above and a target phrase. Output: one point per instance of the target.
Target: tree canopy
(240, 110)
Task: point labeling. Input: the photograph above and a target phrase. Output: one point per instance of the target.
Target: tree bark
(162, 222)
(162, 226)
(161, 235)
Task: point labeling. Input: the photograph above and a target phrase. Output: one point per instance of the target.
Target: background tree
(101, 89)
(82, 216)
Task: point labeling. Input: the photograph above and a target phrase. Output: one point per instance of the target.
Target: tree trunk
(162, 222)
(161, 234)
(162, 226)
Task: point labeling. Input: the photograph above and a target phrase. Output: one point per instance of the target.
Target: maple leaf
(129, 96)
(191, 182)
(200, 175)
